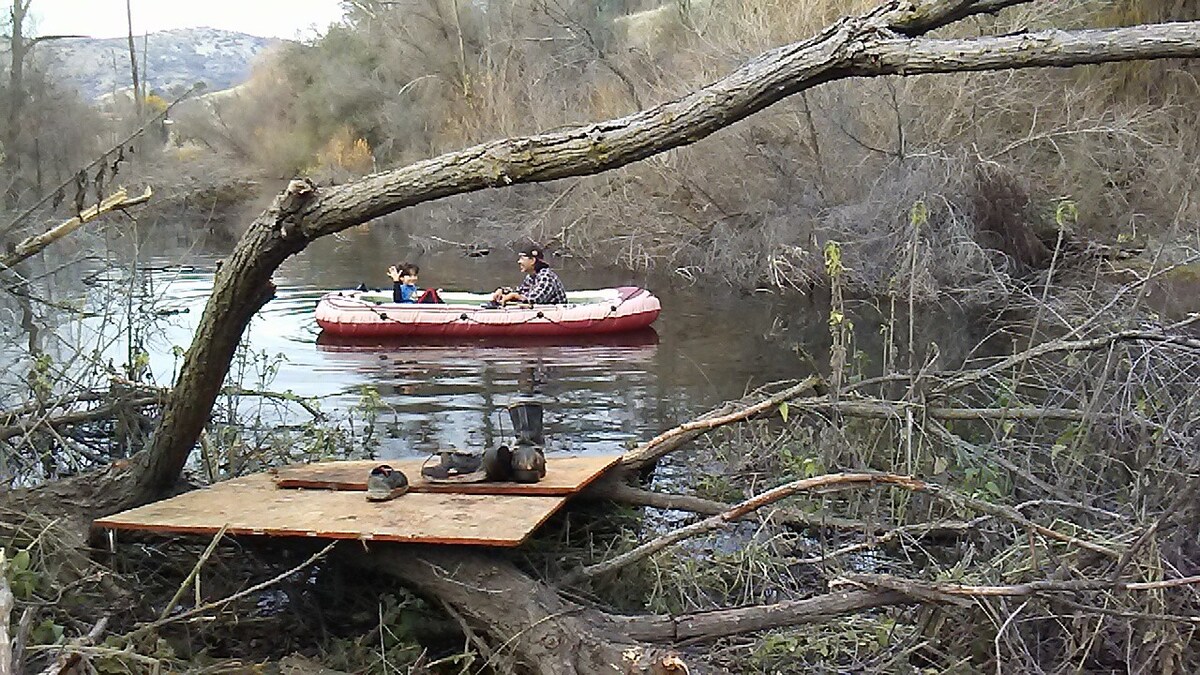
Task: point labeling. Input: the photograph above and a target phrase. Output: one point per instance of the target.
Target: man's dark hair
(535, 253)
(408, 270)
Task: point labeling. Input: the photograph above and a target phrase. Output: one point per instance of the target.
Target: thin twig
(212, 546)
(916, 587)
(1072, 346)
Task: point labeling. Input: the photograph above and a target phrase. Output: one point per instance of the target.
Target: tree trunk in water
(241, 287)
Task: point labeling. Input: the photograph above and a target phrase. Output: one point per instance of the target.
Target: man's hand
(394, 273)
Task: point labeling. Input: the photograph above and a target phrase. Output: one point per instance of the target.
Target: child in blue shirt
(404, 282)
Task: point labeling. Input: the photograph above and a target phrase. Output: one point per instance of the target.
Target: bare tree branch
(33, 245)
(671, 439)
(828, 481)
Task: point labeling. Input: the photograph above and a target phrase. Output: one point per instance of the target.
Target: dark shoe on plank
(385, 483)
(454, 467)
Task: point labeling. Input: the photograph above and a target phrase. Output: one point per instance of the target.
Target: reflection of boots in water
(528, 464)
(527, 422)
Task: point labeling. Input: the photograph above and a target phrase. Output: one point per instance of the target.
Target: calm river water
(707, 346)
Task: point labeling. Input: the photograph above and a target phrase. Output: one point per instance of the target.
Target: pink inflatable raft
(372, 313)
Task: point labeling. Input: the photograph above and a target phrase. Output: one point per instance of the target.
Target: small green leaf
(20, 561)
(783, 410)
(47, 633)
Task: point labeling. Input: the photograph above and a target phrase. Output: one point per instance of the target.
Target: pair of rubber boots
(525, 462)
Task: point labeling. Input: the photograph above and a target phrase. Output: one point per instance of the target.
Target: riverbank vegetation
(991, 155)
(1026, 507)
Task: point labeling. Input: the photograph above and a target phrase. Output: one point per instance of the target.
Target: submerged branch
(834, 481)
(720, 623)
(624, 493)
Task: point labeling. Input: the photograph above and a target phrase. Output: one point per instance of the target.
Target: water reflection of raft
(332, 342)
(366, 313)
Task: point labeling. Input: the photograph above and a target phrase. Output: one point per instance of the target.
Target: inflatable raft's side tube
(624, 309)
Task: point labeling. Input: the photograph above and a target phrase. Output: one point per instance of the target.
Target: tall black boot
(527, 422)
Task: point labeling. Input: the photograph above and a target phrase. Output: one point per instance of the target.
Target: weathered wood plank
(254, 506)
(564, 476)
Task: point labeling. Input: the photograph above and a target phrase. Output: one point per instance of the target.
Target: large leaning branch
(852, 48)
(864, 46)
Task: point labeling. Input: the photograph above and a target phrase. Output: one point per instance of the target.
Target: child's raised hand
(394, 273)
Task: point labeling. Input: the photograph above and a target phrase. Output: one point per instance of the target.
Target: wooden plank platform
(564, 476)
(253, 505)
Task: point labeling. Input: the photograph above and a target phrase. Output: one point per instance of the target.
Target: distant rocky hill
(175, 59)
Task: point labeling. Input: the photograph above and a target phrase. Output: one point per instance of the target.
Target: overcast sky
(106, 18)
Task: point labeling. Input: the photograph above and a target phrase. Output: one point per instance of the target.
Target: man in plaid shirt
(541, 285)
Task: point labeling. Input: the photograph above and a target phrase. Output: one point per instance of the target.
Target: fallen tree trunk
(523, 617)
(552, 636)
